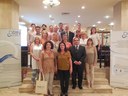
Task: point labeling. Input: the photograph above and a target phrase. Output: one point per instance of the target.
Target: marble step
(100, 75)
(96, 74)
(29, 74)
(27, 80)
(95, 89)
(97, 81)
(26, 88)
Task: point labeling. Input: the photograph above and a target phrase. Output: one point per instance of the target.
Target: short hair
(45, 44)
(60, 23)
(44, 25)
(37, 27)
(59, 49)
(33, 24)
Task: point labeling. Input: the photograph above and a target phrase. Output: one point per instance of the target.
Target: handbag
(41, 85)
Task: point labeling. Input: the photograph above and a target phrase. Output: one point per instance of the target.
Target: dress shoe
(66, 94)
(80, 87)
(73, 87)
(61, 94)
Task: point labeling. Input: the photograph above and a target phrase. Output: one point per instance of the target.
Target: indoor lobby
(108, 17)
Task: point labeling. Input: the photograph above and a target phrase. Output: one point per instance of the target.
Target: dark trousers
(64, 80)
(77, 72)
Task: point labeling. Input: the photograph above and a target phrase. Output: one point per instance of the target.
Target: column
(9, 14)
(121, 15)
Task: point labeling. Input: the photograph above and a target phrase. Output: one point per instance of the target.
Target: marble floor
(14, 91)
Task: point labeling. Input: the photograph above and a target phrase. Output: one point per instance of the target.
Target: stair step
(27, 80)
(26, 88)
(29, 74)
(99, 75)
(97, 81)
(95, 89)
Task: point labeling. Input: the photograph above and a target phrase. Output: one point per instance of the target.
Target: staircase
(101, 84)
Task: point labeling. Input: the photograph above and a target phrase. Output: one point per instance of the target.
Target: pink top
(48, 62)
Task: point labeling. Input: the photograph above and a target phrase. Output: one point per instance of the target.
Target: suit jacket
(78, 54)
(70, 36)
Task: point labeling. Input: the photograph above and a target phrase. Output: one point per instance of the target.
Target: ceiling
(95, 10)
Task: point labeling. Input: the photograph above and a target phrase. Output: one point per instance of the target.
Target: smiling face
(76, 41)
(48, 46)
(62, 46)
(89, 42)
(37, 40)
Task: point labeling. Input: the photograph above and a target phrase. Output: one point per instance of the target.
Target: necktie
(77, 47)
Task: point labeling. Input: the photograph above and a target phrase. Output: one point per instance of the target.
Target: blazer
(78, 54)
(70, 36)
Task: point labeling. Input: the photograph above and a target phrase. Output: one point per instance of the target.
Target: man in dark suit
(78, 59)
(68, 33)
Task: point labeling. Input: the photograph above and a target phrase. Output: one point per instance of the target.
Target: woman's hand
(70, 70)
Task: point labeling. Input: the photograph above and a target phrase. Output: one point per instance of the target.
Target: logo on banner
(13, 33)
(7, 56)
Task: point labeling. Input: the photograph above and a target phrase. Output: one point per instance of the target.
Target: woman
(47, 60)
(91, 61)
(96, 39)
(44, 37)
(64, 68)
(65, 40)
(55, 41)
(35, 49)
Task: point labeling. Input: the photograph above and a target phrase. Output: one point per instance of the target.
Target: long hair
(92, 29)
(59, 49)
(90, 39)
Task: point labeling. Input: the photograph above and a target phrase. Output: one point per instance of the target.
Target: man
(60, 31)
(68, 33)
(78, 58)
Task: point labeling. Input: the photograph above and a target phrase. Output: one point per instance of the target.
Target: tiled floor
(13, 91)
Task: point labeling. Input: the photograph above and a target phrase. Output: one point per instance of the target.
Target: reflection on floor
(101, 87)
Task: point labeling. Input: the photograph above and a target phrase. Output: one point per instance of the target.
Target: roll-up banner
(10, 57)
(119, 59)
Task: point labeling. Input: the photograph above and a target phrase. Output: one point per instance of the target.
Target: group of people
(65, 53)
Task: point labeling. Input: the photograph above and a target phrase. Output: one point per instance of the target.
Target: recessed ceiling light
(94, 25)
(98, 22)
(45, 7)
(78, 16)
(82, 7)
(107, 16)
(111, 24)
(76, 21)
(50, 16)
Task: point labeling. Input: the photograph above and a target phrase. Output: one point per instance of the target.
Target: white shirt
(36, 51)
(95, 38)
(83, 42)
